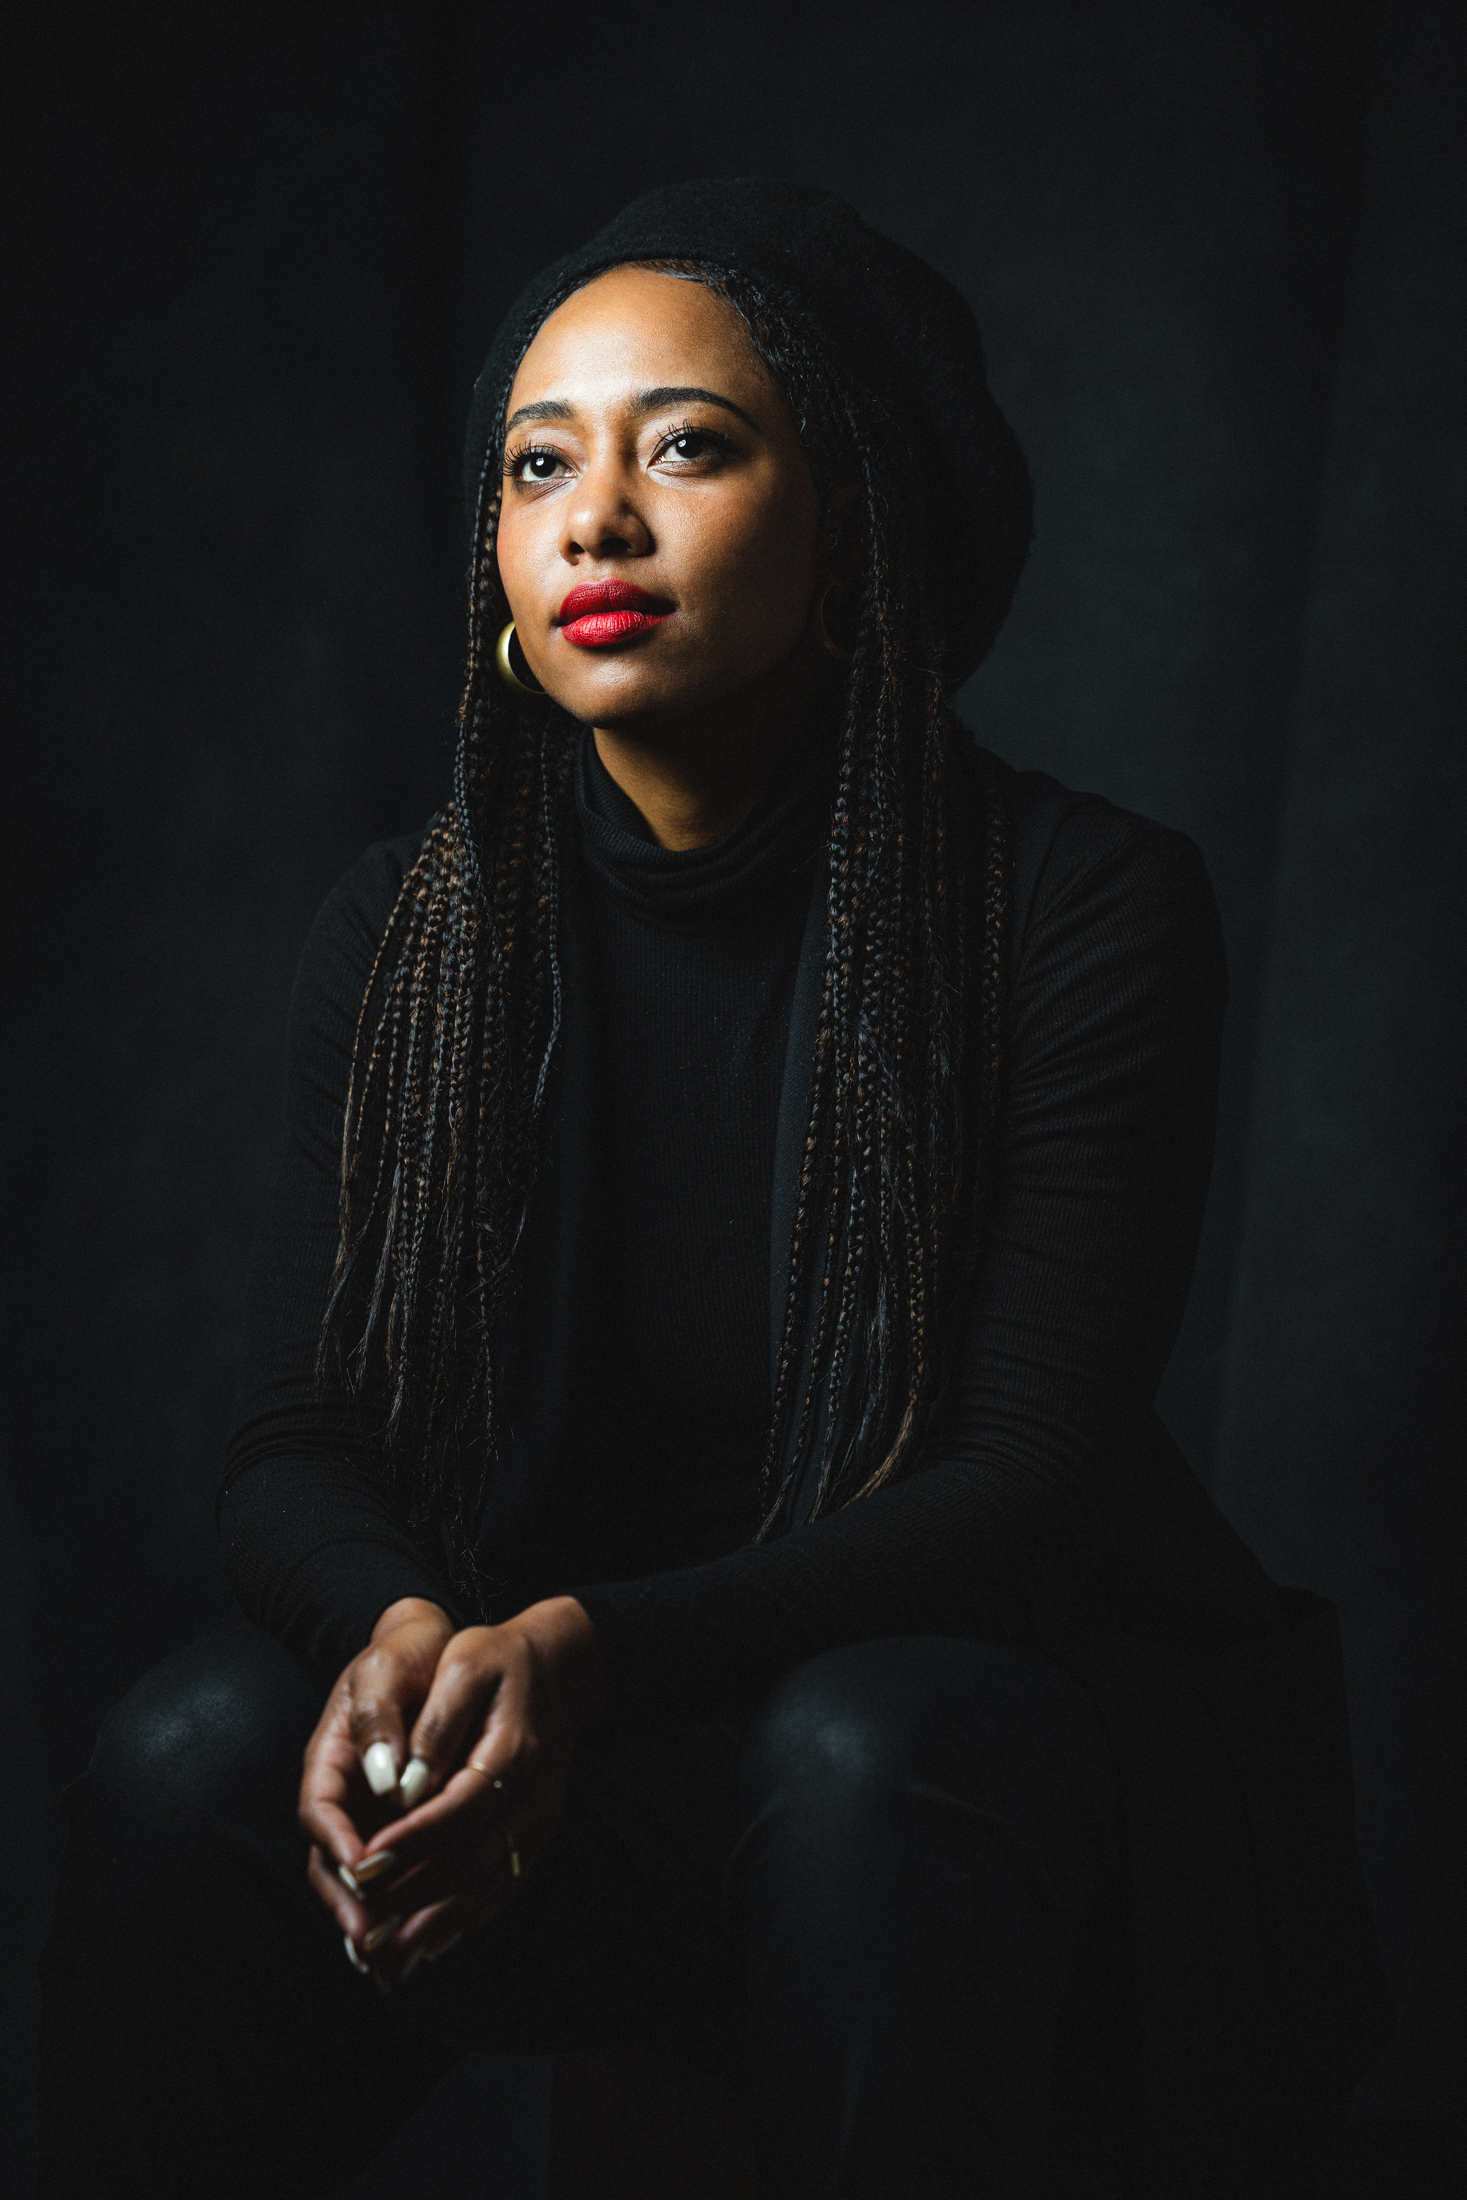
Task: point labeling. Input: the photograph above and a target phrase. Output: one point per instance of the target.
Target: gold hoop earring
(505, 664)
(822, 632)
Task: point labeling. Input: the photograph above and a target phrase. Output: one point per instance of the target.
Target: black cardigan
(1050, 1488)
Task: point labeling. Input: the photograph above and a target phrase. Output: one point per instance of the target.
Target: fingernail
(373, 1940)
(380, 1766)
(413, 1782)
(348, 1879)
(410, 1965)
(443, 1947)
(372, 1867)
(353, 1958)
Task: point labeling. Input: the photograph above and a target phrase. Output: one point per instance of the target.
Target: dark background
(1217, 254)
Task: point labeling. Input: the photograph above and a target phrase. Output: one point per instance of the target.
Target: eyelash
(515, 457)
(695, 427)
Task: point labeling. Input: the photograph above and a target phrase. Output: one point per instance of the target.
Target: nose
(603, 520)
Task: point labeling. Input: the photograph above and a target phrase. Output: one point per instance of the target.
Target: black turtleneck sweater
(696, 954)
(1041, 1476)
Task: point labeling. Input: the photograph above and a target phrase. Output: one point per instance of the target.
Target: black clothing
(696, 954)
(905, 338)
(1049, 1481)
(204, 2033)
(1052, 1520)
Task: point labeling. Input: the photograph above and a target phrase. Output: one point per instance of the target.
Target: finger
(367, 1939)
(329, 1773)
(457, 1815)
(499, 1854)
(470, 1912)
(368, 1877)
(436, 1932)
(483, 1872)
(332, 1829)
(478, 1795)
(468, 1680)
(345, 1911)
(378, 1685)
(334, 1807)
(393, 1950)
(515, 1844)
(425, 1936)
(506, 1760)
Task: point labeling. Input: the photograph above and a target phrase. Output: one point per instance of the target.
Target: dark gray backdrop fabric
(1217, 255)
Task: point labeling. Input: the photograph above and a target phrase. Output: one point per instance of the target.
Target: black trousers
(878, 1897)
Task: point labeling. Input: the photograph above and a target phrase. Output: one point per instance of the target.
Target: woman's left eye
(690, 444)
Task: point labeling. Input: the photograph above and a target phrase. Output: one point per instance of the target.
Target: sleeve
(1114, 1034)
(314, 1550)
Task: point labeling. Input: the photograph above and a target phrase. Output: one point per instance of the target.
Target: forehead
(634, 329)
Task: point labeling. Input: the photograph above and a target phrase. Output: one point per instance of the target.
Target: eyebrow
(548, 408)
(555, 408)
(677, 394)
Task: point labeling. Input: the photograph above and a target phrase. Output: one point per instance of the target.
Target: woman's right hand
(472, 1785)
(349, 1787)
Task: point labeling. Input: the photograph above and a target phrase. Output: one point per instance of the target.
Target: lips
(598, 613)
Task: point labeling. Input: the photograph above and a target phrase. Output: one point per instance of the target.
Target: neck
(694, 778)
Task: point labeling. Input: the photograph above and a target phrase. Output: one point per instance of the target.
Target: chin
(634, 717)
(632, 699)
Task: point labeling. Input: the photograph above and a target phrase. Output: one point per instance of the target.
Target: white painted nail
(380, 1766)
(410, 1965)
(353, 1958)
(373, 1940)
(413, 1782)
(348, 1879)
(372, 1867)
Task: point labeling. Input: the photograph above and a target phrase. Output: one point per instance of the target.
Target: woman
(744, 1170)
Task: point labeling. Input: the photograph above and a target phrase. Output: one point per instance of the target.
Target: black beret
(895, 325)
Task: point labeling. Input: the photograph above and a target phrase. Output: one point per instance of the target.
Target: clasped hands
(437, 1774)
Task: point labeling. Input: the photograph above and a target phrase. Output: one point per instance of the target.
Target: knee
(860, 1739)
(217, 1726)
(833, 1742)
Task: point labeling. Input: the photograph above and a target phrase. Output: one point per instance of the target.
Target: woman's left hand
(490, 1752)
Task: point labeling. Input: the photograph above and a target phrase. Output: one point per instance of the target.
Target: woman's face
(660, 533)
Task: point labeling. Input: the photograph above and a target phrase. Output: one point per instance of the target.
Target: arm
(314, 1549)
(1114, 1038)
(319, 1557)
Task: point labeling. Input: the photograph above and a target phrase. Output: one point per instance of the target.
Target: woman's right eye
(535, 465)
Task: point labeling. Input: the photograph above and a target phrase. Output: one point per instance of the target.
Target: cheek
(747, 567)
(511, 556)
(532, 571)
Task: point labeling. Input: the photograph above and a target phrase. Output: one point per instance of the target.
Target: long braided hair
(457, 1035)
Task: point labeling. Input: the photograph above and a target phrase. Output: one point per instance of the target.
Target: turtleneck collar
(766, 859)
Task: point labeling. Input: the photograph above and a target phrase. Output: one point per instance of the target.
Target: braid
(462, 1013)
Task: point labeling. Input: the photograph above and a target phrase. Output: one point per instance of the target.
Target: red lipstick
(598, 613)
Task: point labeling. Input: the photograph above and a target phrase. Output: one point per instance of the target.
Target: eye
(535, 462)
(690, 447)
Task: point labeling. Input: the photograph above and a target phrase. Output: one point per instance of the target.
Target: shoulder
(360, 903)
(1089, 875)
(347, 931)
